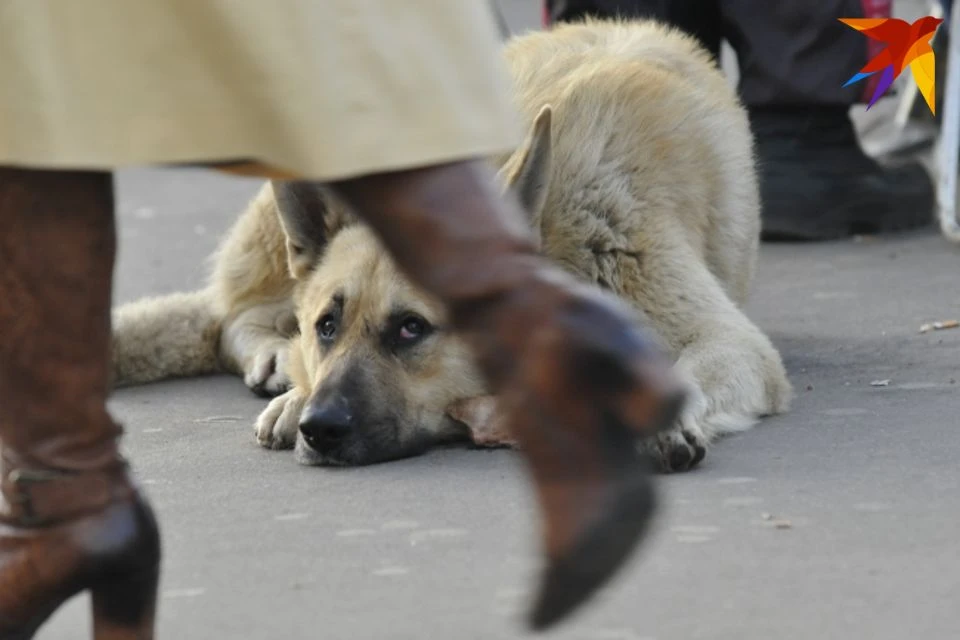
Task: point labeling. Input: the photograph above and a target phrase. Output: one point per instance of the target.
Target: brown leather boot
(71, 518)
(578, 379)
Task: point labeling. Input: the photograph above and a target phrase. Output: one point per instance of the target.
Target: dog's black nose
(326, 424)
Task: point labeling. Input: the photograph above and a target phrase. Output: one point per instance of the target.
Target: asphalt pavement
(840, 519)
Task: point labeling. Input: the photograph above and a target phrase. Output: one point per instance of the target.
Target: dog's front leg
(485, 420)
(255, 344)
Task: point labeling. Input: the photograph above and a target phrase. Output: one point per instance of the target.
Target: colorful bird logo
(907, 44)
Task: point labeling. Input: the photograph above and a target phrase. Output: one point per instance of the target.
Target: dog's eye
(412, 329)
(327, 327)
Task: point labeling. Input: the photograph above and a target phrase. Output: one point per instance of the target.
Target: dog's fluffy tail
(167, 336)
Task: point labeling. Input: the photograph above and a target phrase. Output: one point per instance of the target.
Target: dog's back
(649, 139)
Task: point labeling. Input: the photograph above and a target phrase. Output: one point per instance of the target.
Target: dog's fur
(638, 176)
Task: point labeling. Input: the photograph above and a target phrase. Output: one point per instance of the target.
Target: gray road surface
(862, 479)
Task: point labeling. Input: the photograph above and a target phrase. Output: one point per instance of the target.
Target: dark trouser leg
(816, 182)
(796, 53)
(70, 518)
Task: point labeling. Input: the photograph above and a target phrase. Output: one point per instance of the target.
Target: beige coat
(319, 88)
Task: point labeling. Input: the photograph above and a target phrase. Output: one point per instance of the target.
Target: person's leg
(580, 382)
(795, 57)
(700, 18)
(70, 517)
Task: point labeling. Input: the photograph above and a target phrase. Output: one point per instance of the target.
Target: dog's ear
(308, 222)
(528, 170)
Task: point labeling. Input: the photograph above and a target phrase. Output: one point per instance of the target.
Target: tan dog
(638, 175)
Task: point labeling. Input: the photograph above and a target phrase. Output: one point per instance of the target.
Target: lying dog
(638, 176)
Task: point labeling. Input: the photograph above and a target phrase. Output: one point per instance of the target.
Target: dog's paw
(486, 423)
(684, 445)
(277, 425)
(676, 449)
(267, 374)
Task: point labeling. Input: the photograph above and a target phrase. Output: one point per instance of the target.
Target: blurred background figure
(794, 57)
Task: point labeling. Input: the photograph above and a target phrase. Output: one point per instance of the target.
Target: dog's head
(375, 352)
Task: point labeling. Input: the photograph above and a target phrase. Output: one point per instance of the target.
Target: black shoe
(816, 183)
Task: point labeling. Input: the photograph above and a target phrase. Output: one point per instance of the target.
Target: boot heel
(124, 608)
